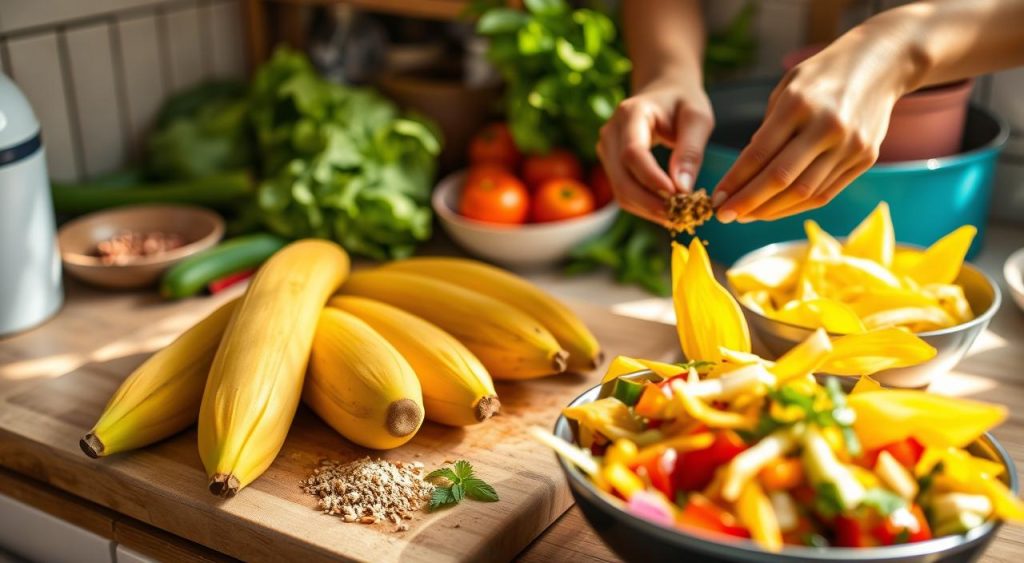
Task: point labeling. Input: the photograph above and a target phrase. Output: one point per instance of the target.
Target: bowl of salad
(733, 457)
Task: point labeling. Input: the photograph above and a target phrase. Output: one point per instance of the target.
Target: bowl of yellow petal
(787, 290)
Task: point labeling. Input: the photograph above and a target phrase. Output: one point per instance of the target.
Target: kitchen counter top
(990, 372)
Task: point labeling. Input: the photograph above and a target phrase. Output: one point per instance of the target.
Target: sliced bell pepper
(703, 514)
(851, 531)
(694, 470)
(893, 530)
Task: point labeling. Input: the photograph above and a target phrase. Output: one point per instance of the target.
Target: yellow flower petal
(755, 511)
(942, 261)
(871, 352)
(874, 238)
(846, 271)
(918, 319)
(934, 420)
(833, 316)
(883, 300)
(707, 316)
(712, 417)
(758, 301)
(821, 244)
(951, 298)
(773, 272)
(804, 358)
(903, 261)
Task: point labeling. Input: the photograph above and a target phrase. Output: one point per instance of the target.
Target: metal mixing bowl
(950, 343)
(636, 539)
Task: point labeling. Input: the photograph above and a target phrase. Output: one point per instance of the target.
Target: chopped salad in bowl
(747, 449)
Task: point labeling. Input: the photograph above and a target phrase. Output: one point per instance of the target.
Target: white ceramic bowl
(520, 247)
(1013, 271)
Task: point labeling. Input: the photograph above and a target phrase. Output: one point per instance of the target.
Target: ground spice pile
(370, 491)
(686, 212)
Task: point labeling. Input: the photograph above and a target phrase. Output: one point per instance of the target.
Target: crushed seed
(686, 212)
(370, 491)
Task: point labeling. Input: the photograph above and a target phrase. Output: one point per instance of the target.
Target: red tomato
(701, 513)
(557, 164)
(888, 532)
(494, 198)
(561, 199)
(907, 451)
(601, 186)
(695, 469)
(487, 170)
(494, 144)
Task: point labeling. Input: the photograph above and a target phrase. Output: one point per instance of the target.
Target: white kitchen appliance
(30, 281)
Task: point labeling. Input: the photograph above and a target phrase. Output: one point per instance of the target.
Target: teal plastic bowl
(927, 198)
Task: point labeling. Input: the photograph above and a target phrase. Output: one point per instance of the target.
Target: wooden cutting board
(55, 380)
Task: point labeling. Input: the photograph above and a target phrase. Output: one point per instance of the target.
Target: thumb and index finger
(692, 131)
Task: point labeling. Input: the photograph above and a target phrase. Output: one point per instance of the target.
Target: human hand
(671, 111)
(824, 124)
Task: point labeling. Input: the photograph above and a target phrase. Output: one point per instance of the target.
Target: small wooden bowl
(199, 227)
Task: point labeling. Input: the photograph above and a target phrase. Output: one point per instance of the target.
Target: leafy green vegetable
(827, 501)
(565, 72)
(884, 501)
(843, 416)
(199, 132)
(340, 163)
(462, 482)
(633, 248)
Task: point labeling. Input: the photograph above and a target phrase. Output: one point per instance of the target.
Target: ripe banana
(510, 343)
(161, 397)
(457, 390)
(360, 385)
(584, 350)
(255, 382)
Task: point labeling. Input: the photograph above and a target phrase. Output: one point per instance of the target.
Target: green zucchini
(191, 275)
(218, 190)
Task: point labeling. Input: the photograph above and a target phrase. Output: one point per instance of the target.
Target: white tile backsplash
(97, 98)
(98, 94)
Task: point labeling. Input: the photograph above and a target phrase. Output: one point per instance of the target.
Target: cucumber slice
(194, 273)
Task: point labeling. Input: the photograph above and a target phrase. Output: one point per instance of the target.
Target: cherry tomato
(888, 532)
(601, 186)
(494, 198)
(700, 512)
(659, 471)
(486, 170)
(561, 199)
(695, 469)
(852, 532)
(494, 144)
(557, 164)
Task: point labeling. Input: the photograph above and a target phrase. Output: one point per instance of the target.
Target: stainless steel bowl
(950, 343)
(636, 539)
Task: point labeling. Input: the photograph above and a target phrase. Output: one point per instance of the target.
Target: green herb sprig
(462, 483)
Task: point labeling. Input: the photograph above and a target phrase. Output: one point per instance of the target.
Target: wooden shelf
(427, 9)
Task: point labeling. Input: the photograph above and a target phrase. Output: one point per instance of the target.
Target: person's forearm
(664, 37)
(941, 41)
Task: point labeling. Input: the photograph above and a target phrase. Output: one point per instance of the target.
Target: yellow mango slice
(951, 298)
(707, 316)
(804, 358)
(871, 352)
(942, 261)
(865, 383)
(820, 243)
(853, 271)
(773, 272)
(918, 319)
(833, 316)
(754, 510)
(622, 365)
(934, 420)
(903, 261)
(612, 418)
(895, 298)
(874, 239)
(701, 411)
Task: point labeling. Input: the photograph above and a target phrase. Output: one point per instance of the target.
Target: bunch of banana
(407, 341)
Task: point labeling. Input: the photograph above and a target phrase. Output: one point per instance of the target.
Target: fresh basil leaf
(827, 502)
(501, 20)
(477, 489)
(546, 7)
(884, 501)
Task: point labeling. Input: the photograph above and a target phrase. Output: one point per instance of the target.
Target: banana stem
(225, 486)
(560, 361)
(487, 407)
(92, 445)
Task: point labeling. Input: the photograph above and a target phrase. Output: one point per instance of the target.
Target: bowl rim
(454, 180)
(749, 547)
(774, 248)
(215, 233)
(1015, 265)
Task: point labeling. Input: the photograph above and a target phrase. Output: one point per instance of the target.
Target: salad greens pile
(340, 163)
(565, 72)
